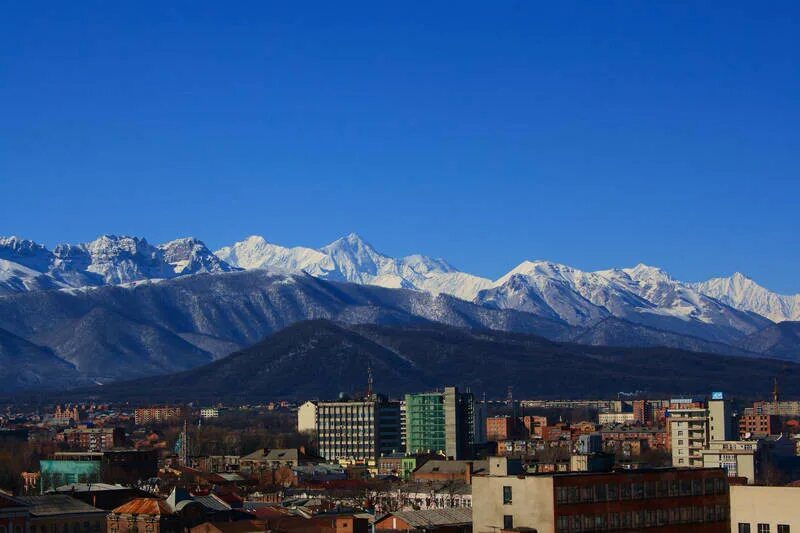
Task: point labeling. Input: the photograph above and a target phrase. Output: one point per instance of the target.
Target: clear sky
(596, 134)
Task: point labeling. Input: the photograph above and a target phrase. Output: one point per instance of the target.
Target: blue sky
(596, 134)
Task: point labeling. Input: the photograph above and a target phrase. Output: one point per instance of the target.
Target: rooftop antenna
(370, 381)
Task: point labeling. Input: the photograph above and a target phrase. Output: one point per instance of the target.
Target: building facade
(689, 435)
(307, 417)
(159, 414)
(93, 439)
(441, 422)
(668, 499)
(359, 430)
(764, 509)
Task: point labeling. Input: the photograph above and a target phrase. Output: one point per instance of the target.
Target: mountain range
(121, 307)
(320, 358)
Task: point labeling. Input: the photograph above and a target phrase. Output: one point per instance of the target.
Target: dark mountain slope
(26, 366)
(616, 332)
(158, 327)
(319, 359)
(781, 340)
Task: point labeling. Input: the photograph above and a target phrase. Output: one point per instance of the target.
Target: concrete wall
(532, 502)
(765, 505)
(307, 417)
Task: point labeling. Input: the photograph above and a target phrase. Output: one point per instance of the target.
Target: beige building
(307, 417)
(605, 419)
(738, 458)
(689, 434)
(720, 420)
(765, 509)
(666, 499)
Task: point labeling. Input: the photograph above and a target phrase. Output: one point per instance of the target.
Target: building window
(784, 528)
(508, 521)
(763, 528)
(506, 495)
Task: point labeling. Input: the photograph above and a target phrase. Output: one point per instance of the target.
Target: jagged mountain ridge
(108, 260)
(643, 295)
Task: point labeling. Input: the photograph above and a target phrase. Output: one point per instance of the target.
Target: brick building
(93, 439)
(500, 428)
(158, 414)
(756, 425)
(667, 499)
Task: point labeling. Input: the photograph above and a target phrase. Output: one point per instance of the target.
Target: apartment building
(158, 414)
(92, 439)
(689, 432)
(358, 430)
(754, 425)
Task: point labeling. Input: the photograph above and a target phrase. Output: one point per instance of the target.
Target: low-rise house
(444, 470)
(265, 458)
(421, 495)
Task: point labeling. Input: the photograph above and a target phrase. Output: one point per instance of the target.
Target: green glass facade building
(441, 422)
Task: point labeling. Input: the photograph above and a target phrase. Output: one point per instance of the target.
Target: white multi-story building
(209, 412)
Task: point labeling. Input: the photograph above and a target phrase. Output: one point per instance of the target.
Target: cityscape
(399, 267)
(440, 460)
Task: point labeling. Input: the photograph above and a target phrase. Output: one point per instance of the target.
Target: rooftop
(435, 517)
(57, 504)
(147, 506)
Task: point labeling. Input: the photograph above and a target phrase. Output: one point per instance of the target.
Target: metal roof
(435, 517)
(57, 504)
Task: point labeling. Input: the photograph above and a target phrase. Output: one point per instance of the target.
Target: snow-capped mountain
(354, 260)
(743, 293)
(643, 294)
(718, 310)
(191, 256)
(108, 260)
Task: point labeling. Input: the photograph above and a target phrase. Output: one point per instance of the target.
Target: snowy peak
(743, 293)
(256, 253)
(191, 256)
(25, 252)
(646, 273)
(123, 259)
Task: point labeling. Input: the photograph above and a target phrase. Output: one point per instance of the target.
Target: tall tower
(775, 392)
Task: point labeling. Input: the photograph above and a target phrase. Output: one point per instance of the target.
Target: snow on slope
(743, 293)
(354, 260)
(108, 260)
(642, 294)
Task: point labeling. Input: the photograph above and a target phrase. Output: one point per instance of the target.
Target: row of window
(639, 490)
(744, 527)
(642, 518)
